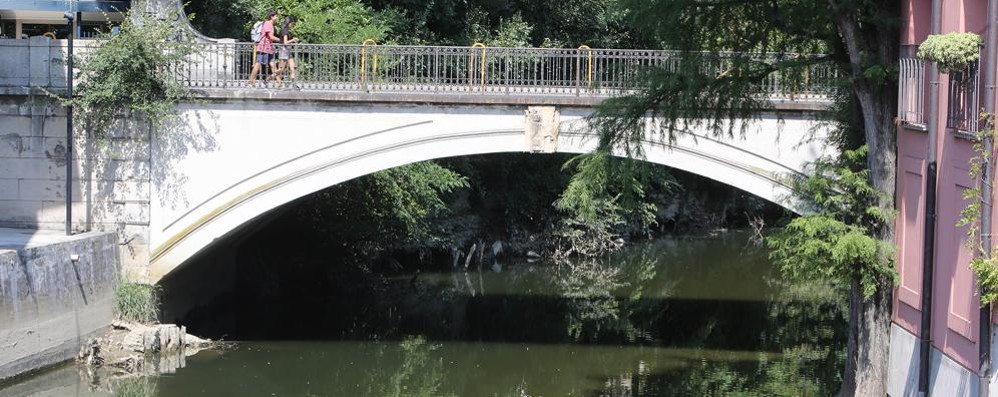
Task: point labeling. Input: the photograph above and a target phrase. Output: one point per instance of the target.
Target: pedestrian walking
(265, 47)
(287, 53)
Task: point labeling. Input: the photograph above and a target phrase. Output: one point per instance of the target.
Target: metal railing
(911, 91)
(477, 70)
(963, 110)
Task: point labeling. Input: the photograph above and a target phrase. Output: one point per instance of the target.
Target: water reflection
(677, 317)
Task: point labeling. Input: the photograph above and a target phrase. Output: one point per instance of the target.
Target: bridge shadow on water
(660, 321)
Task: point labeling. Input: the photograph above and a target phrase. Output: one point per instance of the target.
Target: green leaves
(327, 21)
(952, 51)
(836, 242)
(131, 72)
(984, 264)
(986, 270)
(385, 210)
(605, 195)
(136, 302)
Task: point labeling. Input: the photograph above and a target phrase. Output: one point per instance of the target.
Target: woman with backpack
(286, 54)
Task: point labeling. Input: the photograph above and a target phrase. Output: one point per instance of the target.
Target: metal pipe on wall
(987, 190)
(929, 237)
(70, 17)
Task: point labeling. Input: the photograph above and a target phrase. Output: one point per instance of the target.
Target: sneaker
(295, 86)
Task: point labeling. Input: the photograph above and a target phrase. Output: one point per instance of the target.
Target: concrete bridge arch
(253, 155)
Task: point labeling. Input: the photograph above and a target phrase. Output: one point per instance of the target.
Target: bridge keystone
(541, 129)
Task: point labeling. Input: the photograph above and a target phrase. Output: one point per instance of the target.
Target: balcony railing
(911, 91)
(963, 111)
(478, 70)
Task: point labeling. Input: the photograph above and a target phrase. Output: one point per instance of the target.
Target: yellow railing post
(578, 65)
(363, 60)
(471, 71)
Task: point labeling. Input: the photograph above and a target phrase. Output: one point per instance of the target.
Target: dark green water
(675, 317)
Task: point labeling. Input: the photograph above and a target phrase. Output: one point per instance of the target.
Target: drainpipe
(984, 344)
(929, 237)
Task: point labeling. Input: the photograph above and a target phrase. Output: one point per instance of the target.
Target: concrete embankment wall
(49, 304)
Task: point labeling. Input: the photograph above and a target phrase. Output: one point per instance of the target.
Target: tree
(131, 71)
(329, 21)
(383, 211)
(859, 38)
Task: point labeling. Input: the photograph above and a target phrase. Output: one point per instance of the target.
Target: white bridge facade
(237, 153)
(260, 150)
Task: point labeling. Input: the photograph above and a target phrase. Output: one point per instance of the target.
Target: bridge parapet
(483, 71)
(418, 72)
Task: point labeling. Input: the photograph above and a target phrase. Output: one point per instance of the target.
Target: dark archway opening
(683, 292)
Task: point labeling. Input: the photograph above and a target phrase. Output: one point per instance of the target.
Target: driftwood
(471, 254)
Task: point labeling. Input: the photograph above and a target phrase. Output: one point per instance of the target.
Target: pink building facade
(954, 332)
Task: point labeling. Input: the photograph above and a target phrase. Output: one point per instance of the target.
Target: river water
(688, 316)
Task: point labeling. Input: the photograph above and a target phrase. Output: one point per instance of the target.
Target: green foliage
(567, 23)
(220, 18)
(598, 23)
(412, 192)
(326, 21)
(131, 72)
(136, 302)
(984, 264)
(836, 242)
(712, 86)
(384, 210)
(952, 51)
(512, 32)
(605, 196)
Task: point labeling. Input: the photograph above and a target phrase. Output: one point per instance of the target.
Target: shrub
(952, 51)
(136, 302)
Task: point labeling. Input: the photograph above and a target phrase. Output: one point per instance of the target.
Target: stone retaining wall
(50, 304)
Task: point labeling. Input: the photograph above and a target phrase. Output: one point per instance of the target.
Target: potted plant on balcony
(952, 52)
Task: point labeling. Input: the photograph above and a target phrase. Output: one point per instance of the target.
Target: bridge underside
(233, 161)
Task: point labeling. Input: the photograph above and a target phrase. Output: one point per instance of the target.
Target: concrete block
(50, 304)
(46, 189)
(8, 189)
(30, 213)
(93, 168)
(16, 124)
(13, 65)
(902, 375)
(12, 144)
(946, 377)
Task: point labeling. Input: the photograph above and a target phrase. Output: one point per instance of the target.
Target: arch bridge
(237, 152)
(362, 109)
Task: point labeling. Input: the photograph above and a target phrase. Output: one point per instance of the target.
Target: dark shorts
(264, 58)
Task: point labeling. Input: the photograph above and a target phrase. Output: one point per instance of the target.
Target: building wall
(955, 308)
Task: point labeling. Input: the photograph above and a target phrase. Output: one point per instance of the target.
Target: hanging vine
(984, 264)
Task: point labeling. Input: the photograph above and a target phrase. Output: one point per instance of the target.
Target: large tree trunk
(867, 350)
(869, 318)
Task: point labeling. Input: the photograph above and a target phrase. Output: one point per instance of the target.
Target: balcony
(963, 110)
(911, 92)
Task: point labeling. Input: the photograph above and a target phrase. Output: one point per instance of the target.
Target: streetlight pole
(69, 126)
